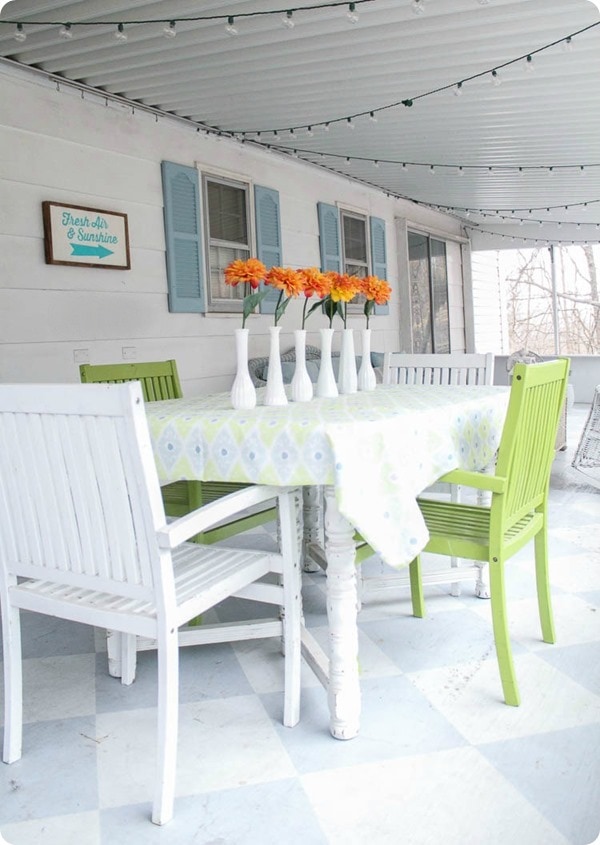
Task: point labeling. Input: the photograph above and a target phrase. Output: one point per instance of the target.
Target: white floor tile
(223, 743)
(453, 797)
(469, 695)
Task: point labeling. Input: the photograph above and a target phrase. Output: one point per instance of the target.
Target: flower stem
(277, 307)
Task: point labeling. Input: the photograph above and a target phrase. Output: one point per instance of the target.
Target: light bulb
(373, 116)
(309, 131)
(66, 32)
(568, 44)
(352, 14)
(418, 7)
(550, 171)
(326, 127)
(529, 65)
(496, 78)
(458, 89)
(484, 2)
(287, 20)
(230, 28)
(349, 123)
(20, 34)
(120, 34)
(170, 31)
(276, 136)
(432, 169)
(375, 163)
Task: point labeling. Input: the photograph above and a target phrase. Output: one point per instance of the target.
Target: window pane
(439, 284)
(418, 262)
(227, 213)
(220, 257)
(355, 240)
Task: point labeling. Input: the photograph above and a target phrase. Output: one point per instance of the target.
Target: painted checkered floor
(439, 759)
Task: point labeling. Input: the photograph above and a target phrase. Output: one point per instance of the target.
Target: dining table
(371, 452)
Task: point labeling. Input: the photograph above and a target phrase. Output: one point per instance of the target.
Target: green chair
(518, 509)
(159, 380)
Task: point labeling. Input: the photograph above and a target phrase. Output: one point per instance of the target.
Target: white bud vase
(347, 378)
(326, 386)
(243, 392)
(301, 387)
(366, 373)
(275, 391)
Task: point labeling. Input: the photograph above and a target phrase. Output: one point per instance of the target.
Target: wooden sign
(85, 237)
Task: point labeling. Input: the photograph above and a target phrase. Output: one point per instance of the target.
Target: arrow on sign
(99, 251)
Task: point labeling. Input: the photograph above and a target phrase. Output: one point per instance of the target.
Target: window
(428, 293)
(354, 244)
(228, 236)
(206, 236)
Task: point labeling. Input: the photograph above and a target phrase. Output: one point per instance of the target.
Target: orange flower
(285, 279)
(315, 282)
(344, 287)
(250, 272)
(384, 292)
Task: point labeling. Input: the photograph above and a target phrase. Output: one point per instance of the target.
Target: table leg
(344, 689)
(311, 507)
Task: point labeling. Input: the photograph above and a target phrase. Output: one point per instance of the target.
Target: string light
(352, 14)
(120, 34)
(170, 31)
(535, 241)
(458, 89)
(408, 102)
(287, 20)
(230, 26)
(20, 34)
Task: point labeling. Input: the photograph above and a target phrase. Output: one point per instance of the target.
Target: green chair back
(159, 379)
(526, 449)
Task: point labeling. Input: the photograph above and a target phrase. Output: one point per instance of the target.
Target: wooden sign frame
(85, 237)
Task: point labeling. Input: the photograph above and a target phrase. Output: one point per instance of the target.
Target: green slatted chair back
(526, 449)
(159, 379)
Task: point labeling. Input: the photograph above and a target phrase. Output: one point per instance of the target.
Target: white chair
(84, 537)
(436, 369)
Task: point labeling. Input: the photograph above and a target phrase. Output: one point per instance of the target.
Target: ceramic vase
(347, 378)
(243, 392)
(275, 390)
(326, 386)
(366, 373)
(301, 387)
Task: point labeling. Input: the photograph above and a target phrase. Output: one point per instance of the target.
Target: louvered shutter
(329, 237)
(268, 238)
(183, 237)
(378, 256)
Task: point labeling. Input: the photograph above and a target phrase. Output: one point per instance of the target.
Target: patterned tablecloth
(379, 449)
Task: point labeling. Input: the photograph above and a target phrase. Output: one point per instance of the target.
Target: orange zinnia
(285, 279)
(314, 282)
(250, 272)
(344, 287)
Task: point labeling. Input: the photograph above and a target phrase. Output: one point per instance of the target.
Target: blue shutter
(268, 239)
(183, 237)
(378, 256)
(329, 237)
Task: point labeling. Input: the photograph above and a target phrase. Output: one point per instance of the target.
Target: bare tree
(530, 308)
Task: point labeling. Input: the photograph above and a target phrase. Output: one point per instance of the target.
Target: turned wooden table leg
(344, 689)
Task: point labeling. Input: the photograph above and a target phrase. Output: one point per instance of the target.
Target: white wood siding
(57, 145)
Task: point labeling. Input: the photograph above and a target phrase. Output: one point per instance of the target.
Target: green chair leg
(416, 588)
(543, 586)
(501, 638)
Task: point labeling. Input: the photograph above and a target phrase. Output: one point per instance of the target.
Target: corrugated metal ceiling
(326, 69)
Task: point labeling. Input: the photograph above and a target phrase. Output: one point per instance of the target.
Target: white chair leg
(13, 685)
(482, 583)
(168, 715)
(312, 522)
(114, 651)
(128, 658)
